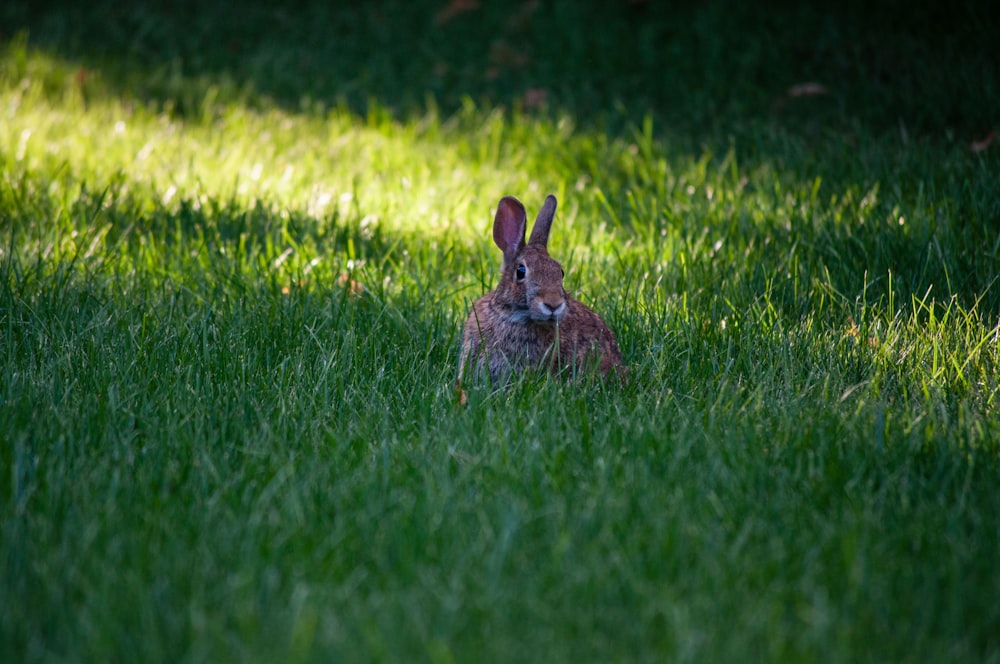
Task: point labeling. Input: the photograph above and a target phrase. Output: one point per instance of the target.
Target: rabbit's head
(531, 282)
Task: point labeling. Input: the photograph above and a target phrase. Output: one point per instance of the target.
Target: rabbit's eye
(521, 272)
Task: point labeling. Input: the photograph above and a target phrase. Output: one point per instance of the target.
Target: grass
(237, 252)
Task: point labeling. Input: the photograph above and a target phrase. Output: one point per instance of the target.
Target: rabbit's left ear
(508, 226)
(540, 232)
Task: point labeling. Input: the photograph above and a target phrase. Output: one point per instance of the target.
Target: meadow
(237, 249)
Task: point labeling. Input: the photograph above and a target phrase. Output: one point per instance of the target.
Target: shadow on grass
(704, 70)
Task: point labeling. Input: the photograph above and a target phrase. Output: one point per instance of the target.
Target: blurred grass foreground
(237, 245)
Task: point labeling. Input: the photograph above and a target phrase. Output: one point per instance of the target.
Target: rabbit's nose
(555, 308)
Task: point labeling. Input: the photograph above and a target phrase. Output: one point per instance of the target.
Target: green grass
(236, 252)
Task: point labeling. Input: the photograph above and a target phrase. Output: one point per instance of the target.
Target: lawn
(237, 250)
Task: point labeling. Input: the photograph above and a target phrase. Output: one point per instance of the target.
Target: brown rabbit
(529, 320)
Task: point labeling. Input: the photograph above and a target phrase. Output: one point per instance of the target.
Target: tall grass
(231, 292)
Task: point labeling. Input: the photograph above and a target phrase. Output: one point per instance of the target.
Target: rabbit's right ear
(540, 232)
(509, 226)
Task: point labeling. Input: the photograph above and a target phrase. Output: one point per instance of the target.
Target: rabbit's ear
(540, 232)
(509, 226)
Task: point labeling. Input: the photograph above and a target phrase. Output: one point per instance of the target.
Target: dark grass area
(252, 479)
(706, 71)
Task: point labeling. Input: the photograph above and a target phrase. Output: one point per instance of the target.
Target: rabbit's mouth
(548, 315)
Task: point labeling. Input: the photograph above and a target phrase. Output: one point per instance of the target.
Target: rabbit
(529, 320)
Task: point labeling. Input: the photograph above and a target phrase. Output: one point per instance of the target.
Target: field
(237, 249)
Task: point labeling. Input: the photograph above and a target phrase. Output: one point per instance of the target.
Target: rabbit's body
(529, 320)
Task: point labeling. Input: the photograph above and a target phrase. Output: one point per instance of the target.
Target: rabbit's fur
(529, 320)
